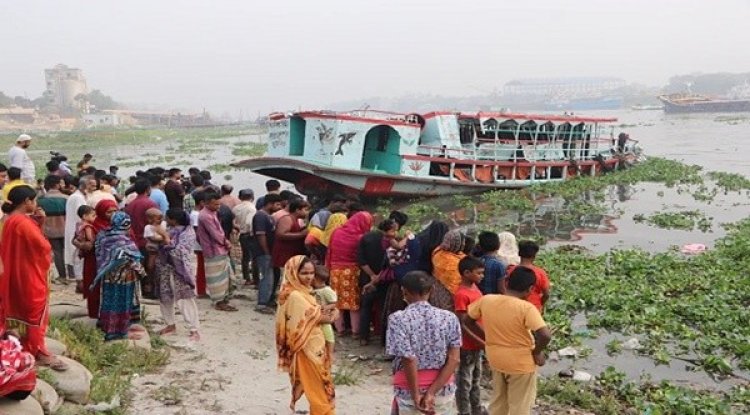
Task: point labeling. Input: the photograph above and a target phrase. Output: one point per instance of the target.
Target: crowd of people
(440, 302)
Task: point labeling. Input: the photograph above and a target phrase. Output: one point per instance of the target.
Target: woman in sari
(175, 267)
(104, 211)
(300, 343)
(24, 285)
(343, 264)
(119, 269)
(445, 261)
(508, 252)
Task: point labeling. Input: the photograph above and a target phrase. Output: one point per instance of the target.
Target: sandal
(224, 307)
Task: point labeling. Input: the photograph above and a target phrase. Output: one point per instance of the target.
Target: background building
(66, 89)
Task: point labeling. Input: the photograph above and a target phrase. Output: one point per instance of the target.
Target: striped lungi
(218, 273)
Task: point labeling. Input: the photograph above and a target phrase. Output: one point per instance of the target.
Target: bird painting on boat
(325, 134)
(345, 138)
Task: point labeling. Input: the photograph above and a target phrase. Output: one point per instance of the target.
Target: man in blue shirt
(158, 195)
(494, 269)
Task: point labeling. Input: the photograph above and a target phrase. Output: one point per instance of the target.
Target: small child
(539, 295)
(155, 233)
(472, 344)
(84, 236)
(327, 299)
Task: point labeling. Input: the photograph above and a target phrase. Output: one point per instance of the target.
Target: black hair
(386, 225)
(246, 195)
(271, 198)
(338, 198)
(88, 156)
(226, 189)
(84, 210)
(469, 263)
(305, 261)
(154, 179)
(113, 169)
(521, 279)
(210, 195)
(193, 171)
(287, 195)
(355, 207)
(417, 282)
(141, 186)
(52, 165)
(17, 196)
(297, 204)
(14, 173)
(69, 180)
(51, 181)
(173, 171)
(197, 180)
(273, 185)
(489, 241)
(199, 196)
(91, 170)
(321, 273)
(99, 174)
(3, 167)
(400, 217)
(205, 174)
(469, 244)
(178, 215)
(527, 249)
(108, 178)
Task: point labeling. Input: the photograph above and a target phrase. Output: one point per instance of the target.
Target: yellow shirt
(10, 185)
(508, 323)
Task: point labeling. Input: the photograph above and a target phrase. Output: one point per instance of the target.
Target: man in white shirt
(18, 158)
(243, 220)
(74, 264)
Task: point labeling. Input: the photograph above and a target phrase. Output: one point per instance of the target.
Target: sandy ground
(232, 370)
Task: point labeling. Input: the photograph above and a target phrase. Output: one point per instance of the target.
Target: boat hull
(671, 107)
(311, 179)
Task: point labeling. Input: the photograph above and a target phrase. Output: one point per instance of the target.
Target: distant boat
(686, 103)
(384, 154)
(647, 107)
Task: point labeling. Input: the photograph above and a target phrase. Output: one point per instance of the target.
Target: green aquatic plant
(730, 182)
(685, 220)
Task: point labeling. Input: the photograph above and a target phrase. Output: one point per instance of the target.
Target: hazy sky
(259, 56)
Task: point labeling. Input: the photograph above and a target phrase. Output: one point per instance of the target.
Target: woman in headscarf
(104, 211)
(508, 252)
(119, 269)
(429, 239)
(445, 261)
(300, 343)
(175, 267)
(335, 221)
(342, 261)
(24, 285)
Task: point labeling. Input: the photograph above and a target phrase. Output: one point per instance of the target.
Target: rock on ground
(67, 311)
(55, 346)
(47, 397)
(73, 384)
(28, 406)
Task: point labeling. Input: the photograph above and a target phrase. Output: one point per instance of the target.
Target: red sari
(24, 287)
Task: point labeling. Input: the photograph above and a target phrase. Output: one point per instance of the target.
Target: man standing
(104, 192)
(226, 196)
(137, 211)
(215, 248)
(73, 263)
(53, 203)
(264, 229)
(157, 195)
(19, 158)
(512, 353)
(272, 187)
(174, 190)
(243, 220)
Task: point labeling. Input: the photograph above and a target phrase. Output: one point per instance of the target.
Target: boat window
(527, 131)
(507, 129)
(296, 136)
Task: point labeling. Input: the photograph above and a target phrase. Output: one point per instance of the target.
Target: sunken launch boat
(384, 154)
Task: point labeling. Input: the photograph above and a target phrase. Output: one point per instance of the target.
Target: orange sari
(24, 287)
(300, 343)
(445, 268)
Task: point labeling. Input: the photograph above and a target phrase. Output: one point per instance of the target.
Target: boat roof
(402, 119)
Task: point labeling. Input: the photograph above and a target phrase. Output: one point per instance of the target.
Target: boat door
(381, 150)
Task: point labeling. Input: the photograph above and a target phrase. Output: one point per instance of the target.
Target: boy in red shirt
(470, 369)
(539, 295)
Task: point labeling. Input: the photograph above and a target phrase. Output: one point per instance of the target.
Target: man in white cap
(18, 158)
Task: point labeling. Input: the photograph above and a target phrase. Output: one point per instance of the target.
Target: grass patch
(347, 374)
(112, 364)
(249, 150)
(686, 220)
